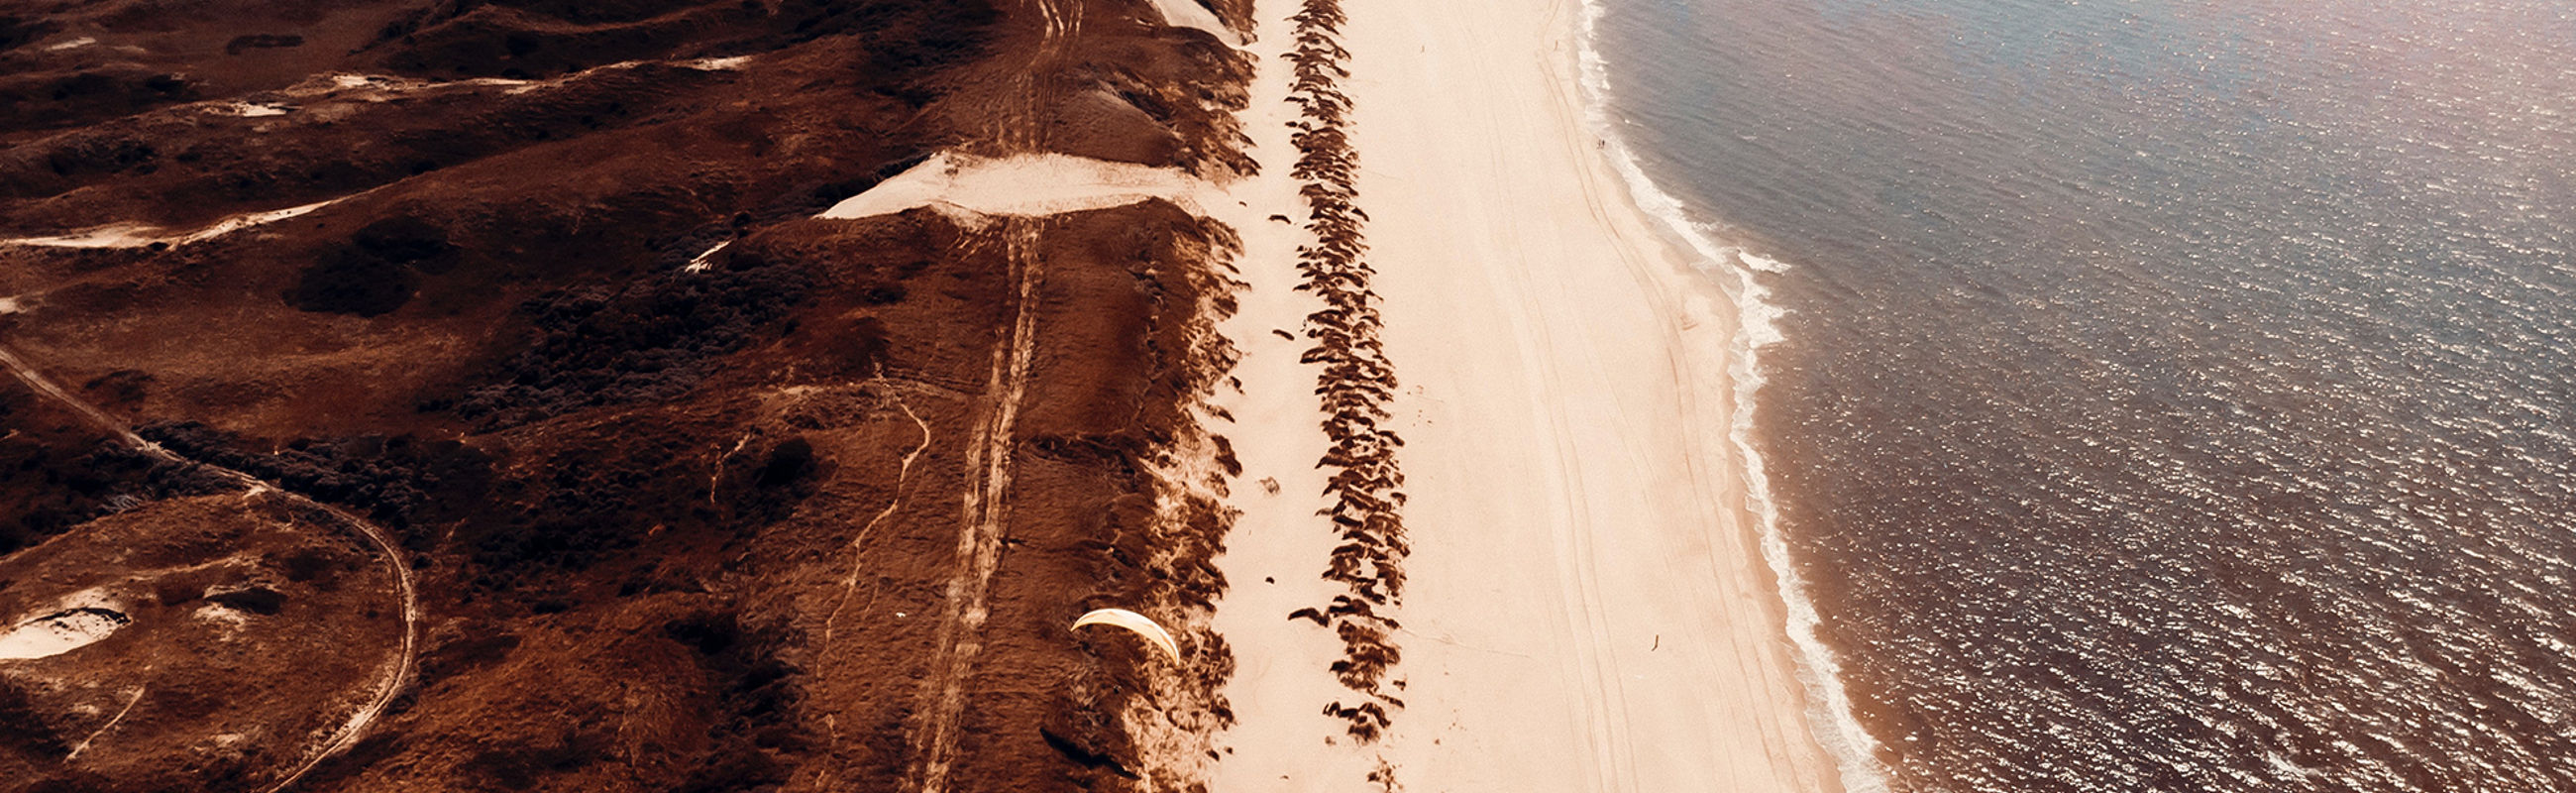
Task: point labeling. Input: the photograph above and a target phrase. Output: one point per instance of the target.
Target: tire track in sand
(388, 685)
(985, 507)
(1016, 129)
(985, 503)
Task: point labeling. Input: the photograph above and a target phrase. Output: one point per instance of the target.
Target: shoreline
(1581, 554)
(1832, 722)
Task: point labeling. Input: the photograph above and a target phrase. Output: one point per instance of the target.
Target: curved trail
(1018, 130)
(986, 506)
(858, 544)
(408, 654)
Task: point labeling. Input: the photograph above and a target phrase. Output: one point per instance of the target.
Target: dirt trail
(1010, 185)
(1016, 129)
(27, 374)
(398, 673)
(110, 725)
(986, 505)
(858, 543)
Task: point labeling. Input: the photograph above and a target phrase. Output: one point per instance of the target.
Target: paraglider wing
(1136, 623)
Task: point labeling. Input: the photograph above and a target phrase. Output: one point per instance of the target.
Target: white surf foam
(1829, 714)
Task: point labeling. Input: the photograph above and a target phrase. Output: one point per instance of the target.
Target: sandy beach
(1589, 608)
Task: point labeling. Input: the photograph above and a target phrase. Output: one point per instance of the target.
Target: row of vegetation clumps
(1356, 381)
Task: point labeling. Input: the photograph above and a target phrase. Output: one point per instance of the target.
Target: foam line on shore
(1830, 714)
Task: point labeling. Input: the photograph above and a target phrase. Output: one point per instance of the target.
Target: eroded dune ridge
(366, 387)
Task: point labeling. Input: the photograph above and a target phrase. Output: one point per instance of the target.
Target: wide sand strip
(1589, 608)
(1278, 548)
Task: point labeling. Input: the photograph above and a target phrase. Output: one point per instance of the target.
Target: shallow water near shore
(2170, 395)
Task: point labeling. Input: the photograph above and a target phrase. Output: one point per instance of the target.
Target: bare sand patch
(1022, 185)
(1189, 14)
(137, 235)
(60, 632)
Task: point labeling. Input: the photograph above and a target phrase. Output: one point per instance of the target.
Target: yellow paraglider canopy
(1135, 623)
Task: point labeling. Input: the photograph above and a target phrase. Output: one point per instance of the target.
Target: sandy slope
(1276, 551)
(1589, 609)
(1028, 184)
(134, 235)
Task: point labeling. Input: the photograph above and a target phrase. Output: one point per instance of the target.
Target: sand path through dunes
(131, 235)
(1589, 608)
(986, 510)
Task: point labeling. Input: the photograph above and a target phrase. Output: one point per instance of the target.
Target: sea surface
(2163, 395)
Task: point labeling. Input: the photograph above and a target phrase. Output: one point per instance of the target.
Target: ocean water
(2164, 395)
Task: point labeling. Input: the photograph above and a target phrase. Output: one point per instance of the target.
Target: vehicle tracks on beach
(407, 656)
(1601, 699)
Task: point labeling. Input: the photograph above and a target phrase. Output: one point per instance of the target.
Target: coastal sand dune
(1027, 185)
(1588, 608)
(823, 522)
